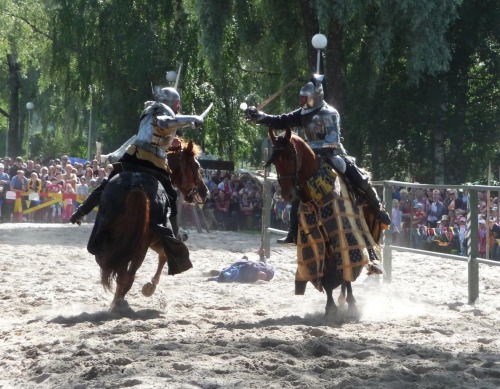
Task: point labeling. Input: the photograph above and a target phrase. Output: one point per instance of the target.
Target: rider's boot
(375, 203)
(290, 237)
(361, 182)
(88, 205)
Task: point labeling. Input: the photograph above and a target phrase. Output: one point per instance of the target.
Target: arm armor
(167, 125)
(287, 120)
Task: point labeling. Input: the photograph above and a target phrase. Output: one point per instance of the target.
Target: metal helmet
(167, 96)
(311, 94)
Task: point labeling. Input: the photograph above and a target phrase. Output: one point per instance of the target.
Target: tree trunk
(15, 132)
(439, 156)
(311, 27)
(334, 88)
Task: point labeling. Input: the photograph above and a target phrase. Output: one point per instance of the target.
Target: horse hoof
(353, 312)
(148, 289)
(334, 316)
(120, 307)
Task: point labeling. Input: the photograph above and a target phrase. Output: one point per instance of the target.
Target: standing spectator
(396, 220)
(436, 210)
(225, 185)
(109, 169)
(82, 189)
(19, 184)
(15, 167)
(209, 209)
(79, 169)
(236, 184)
(420, 197)
(462, 233)
(34, 189)
(404, 203)
(213, 182)
(222, 202)
(246, 211)
(418, 222)
(234, 212)
(55, 188)
(69, 176)
(69, 208)
(95, 168)
(258, 206)
(482, 236)
(4, 187)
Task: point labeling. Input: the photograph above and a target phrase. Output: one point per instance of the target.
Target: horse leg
(352, 309)
(149, 288)
(342, 299)
(124, 281)
(330, 282)
(331, 309)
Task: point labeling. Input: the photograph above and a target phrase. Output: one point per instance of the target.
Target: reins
(274, 155)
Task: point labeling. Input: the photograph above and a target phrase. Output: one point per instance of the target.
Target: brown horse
(334, 240)
(133, 217)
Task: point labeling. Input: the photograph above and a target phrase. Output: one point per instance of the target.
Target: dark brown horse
(133, 217)
(334, 241)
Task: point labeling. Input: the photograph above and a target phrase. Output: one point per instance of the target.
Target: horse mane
(183, 146)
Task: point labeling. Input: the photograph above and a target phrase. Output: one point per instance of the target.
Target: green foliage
(414, 72)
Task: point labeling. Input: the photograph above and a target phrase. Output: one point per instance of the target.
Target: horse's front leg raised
(149, 288)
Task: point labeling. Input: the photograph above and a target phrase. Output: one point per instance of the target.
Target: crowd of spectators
(235, 202)
(33, 179)
(426, 219)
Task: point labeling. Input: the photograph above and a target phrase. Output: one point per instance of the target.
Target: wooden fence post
(472, 249)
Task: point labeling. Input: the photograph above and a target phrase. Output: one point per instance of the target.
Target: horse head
(294, 160)
(186, 174)
(286, 160)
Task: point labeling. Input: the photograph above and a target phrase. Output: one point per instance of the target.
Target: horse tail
(128, 236)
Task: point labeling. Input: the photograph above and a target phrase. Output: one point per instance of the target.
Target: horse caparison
(133, 210)
(296, 164)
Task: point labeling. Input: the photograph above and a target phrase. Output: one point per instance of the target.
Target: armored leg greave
(360, 183)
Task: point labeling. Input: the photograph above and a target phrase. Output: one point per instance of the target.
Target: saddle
(119, 167)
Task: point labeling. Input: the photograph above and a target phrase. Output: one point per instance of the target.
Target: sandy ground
(417, 332)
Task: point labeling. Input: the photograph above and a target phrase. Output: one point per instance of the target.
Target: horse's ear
(190, 145)
(271, 135)
(288, 134)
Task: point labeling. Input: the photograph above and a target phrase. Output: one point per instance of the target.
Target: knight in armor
(159, 124)
(321, 124)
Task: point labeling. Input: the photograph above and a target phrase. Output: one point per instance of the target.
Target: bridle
(194, 168)
(274, 155)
